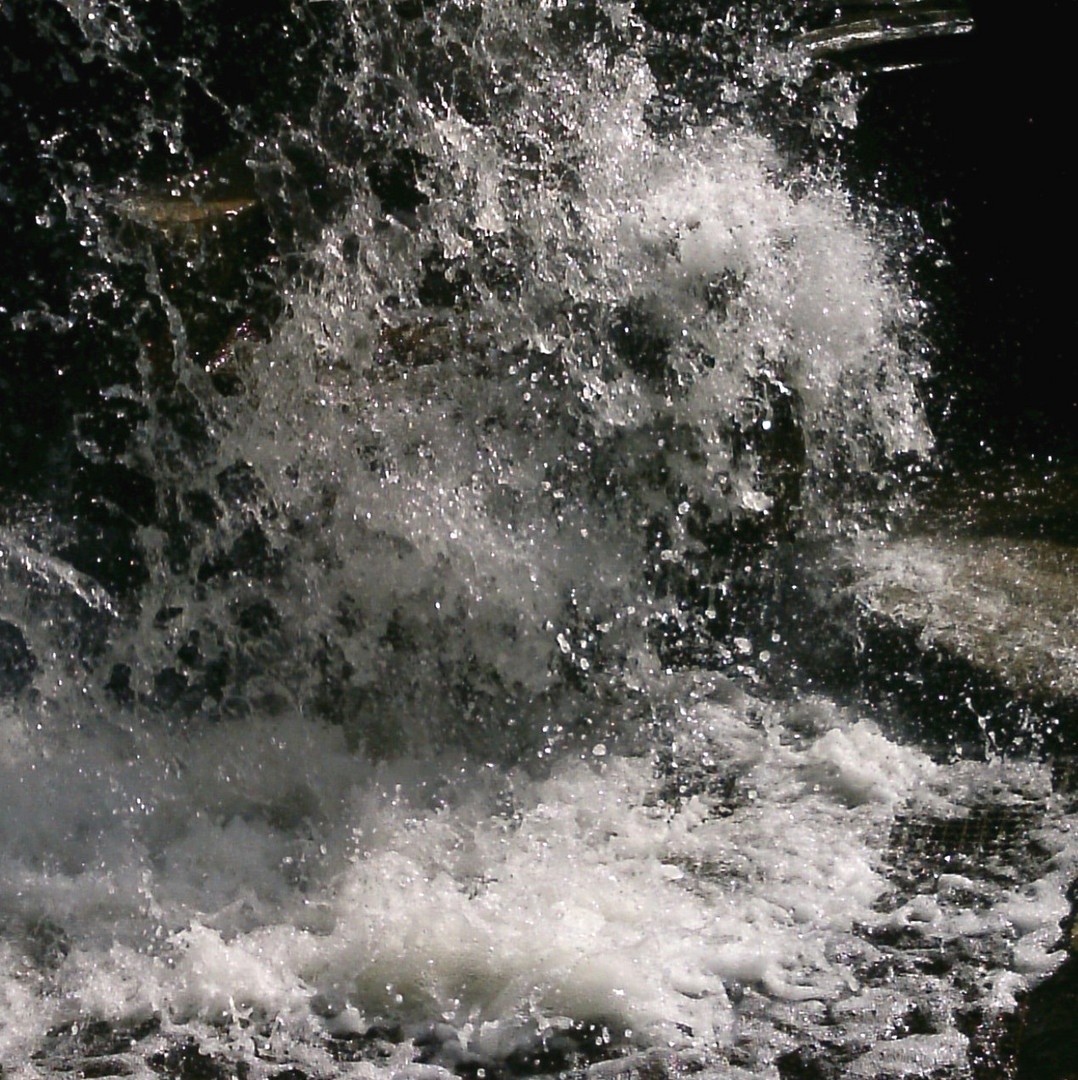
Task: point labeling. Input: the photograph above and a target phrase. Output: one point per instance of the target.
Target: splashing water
(383, 727)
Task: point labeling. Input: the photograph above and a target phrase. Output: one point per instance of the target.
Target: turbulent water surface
(418, 419)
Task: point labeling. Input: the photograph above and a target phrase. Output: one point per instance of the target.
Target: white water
(471, 509)
(261, 872)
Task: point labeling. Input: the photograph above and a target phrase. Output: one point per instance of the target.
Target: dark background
(979, 145)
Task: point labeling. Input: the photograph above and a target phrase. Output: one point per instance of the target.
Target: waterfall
(420, 424)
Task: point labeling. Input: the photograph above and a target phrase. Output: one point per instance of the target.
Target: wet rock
(914, 1056)
(971, 642)
(1006, 607)
(105, 1067)
(1048, 1040)
(993, 1045)
(1039, 1040)
(188, 1062)
(965, 617)
(47, 606)
(96, 1048)
(656, 1064)
(169, 212)
(47, 943)
(958, 623)
(811, 1063)
(17, 663)
(876, 35)
(993, 843)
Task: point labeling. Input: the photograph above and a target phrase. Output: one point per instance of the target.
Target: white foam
(582, 897)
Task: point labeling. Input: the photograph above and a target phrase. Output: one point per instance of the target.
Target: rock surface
(964, 615)
(968, 619)
(1006, 607)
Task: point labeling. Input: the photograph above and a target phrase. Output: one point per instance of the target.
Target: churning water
(413, 683)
